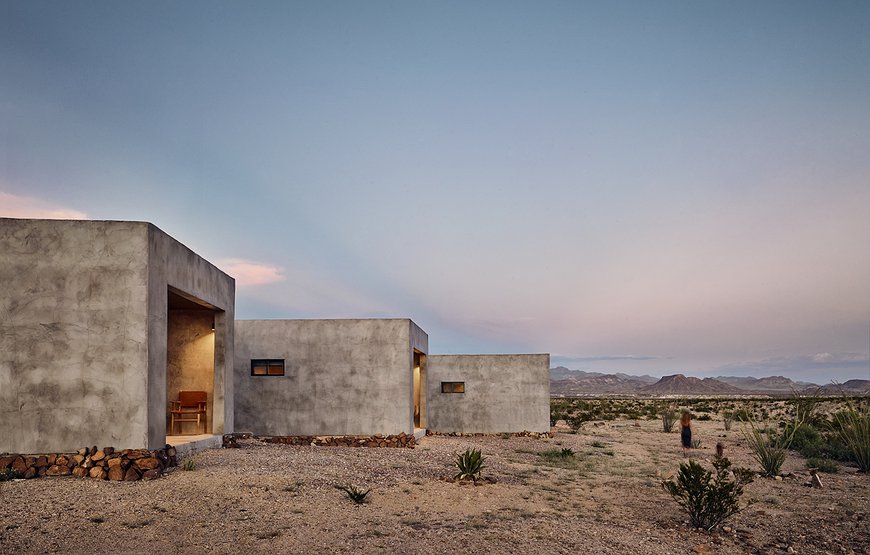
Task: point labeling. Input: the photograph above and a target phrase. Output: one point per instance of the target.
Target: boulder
(116, 473)
(152, 474)
(148, 463)
(58, 470)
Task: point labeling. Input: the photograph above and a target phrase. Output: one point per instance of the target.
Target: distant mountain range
(569, 383)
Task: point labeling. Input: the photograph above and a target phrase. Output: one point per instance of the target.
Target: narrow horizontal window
(452, 387)
(267, 367)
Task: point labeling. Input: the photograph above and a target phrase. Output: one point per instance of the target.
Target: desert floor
(273, 498)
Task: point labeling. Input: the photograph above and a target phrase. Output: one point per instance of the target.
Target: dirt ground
(274, 498)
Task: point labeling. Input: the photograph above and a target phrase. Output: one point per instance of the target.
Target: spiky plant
(469, 464)
(355, 494)
(669, 420)
(727, 419)
(769, 446)
(852, 427)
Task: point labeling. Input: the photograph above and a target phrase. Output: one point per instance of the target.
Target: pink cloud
(247, 272)
(14, 206)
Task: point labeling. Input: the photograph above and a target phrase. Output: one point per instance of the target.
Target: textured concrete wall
(171, 264)
(73, 334)
(342, 377)
(190, 359)
(83, 333)
(503, 393)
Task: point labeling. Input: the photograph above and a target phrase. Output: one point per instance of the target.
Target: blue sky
(649, 187)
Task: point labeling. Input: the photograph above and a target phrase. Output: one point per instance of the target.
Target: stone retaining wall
(402, 440)
(539, 435)
(90, 462)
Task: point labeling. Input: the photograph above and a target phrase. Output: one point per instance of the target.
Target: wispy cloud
(599, 358)
(250, 273)
(14, 206)
(849, 364)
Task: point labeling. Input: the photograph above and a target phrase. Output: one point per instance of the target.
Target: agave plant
(357, 495)
(469, 464)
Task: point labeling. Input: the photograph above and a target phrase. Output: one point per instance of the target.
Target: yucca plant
(727, 419)
(669, 420)
(357, 495)
(709, 500)
(769, 446)
(469, 464)
(852, 427)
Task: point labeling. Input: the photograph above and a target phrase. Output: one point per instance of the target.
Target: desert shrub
(823, 465)
(555, 455)
(705, 417)
(669, 420)
(579, 418)
(9, 474)
(696, 444)
(769, 446)
(742, 414)
(469, 464)
(188, 464)
(709, 500)
(852, 428)
(357, 495)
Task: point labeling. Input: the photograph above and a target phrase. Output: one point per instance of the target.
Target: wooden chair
(190, 407)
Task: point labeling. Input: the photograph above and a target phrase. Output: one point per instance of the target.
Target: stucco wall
(503, 393)
(83, 333)
(171, 264)
(73, 353)
(342, 377)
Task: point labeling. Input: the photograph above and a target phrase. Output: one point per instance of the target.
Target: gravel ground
(283, 498)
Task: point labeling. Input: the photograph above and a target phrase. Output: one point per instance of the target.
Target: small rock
(778, 478)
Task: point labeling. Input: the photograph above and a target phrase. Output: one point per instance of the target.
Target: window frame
(452, 386)
(268, 363)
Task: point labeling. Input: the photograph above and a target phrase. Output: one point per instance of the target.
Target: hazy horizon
(667, 187)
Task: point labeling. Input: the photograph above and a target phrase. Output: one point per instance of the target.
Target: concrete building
(101, 324)
(330, 377)
(489, 393)
(367, 377)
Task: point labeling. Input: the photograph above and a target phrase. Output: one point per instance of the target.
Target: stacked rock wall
(90, 462)
(402, 440)
(539, 435)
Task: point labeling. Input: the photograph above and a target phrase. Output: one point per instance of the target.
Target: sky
(645, 187)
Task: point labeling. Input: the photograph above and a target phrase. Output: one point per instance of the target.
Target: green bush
(9, 474)
(709, 500)
(469, 464)
(823, 465)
